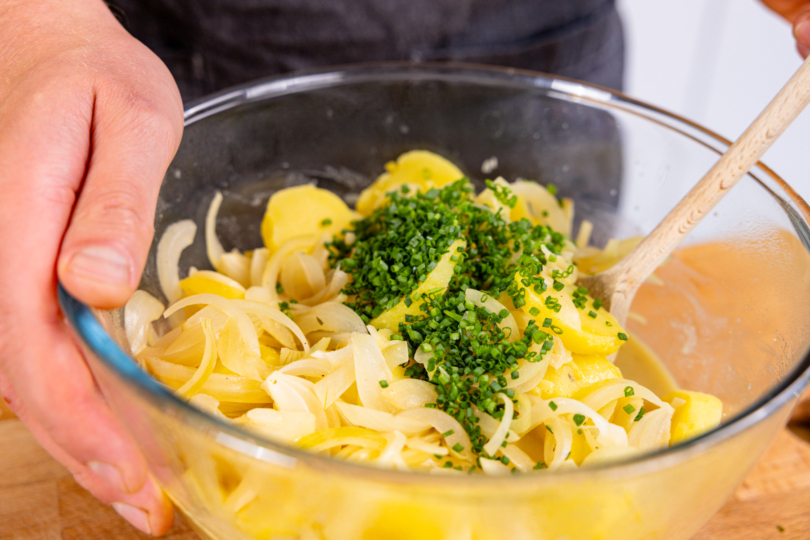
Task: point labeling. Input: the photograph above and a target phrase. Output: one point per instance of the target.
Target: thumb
(801, 30)
(105, 247)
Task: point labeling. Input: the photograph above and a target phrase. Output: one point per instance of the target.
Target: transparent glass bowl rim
(83, 321)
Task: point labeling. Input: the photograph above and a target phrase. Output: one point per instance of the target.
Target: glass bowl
(726, 313)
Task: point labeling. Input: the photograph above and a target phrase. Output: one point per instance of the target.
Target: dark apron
(212, 44)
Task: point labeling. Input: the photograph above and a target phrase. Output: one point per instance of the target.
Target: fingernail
(109, 474)
(135, 516)
(802, 32)
(99, 262)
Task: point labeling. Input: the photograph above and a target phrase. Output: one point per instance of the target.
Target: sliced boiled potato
(695, 413)
(419, 169)
(488, 198)
(303, 211)
(438, 278)
(597, 261)
(577, 378)
(207, 281)
(535, 203)
(579, 332)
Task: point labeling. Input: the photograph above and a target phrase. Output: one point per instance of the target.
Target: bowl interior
(726, 315)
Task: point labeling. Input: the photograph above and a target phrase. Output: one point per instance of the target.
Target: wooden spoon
(617, 286)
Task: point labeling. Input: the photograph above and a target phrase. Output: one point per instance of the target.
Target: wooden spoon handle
(733, 165)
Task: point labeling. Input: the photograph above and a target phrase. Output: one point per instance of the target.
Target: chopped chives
(552, 405)
(629, 409)
(384, 383)
(579, 419)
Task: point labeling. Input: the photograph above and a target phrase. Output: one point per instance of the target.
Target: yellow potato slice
(695, 414)
(303, 211)
(419, 169)
(538, 205)
(437, 279)
(576, 378)
(207, 281)
(579, 332)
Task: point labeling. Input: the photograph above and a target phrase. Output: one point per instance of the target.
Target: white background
(719, 63)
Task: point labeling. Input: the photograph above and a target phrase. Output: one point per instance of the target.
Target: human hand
(797, 13)
(89, 122)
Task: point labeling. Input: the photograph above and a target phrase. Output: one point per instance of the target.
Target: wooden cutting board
(40, 500)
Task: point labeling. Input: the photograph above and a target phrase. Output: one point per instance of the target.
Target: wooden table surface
(40, 500)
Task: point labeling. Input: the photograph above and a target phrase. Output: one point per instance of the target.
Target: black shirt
(212, 44)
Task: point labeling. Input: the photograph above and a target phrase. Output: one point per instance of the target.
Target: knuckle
(144, 116)
(119, 207)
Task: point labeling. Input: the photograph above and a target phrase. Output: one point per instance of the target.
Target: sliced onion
(261, 295)
(523, 415)
(285, 426)
(370, 368)
(653, 430)
(301, 276)
(281, 335)
(558, 442)
(236, 266)
(609, 454)
(508, 324)
(337, 280)
(558, 356)
(379, 420)
(584, 234)
(212, 245)
(294, 394)
(232, 354)
(373, 443)
(410, 394)
(615, 390)
(489, 425)
(608, 433)
(331, 387)
(493, 467)
(443, 423)
(195, 384)
(518, 458)
(380, 336)
(308, 367)
(320, 252)
(178, 236)
(271, 271)
(225, 388)
(230, 307)
(332, 415)
(391, 456)
(141, 310)
(330, 317)
(396, 354)
(263, 310)
(208, 404)
(418, 443)
(500, 434)
(257, 264)
(336, 358)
